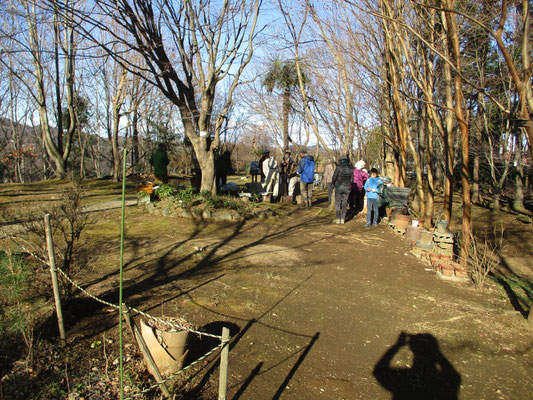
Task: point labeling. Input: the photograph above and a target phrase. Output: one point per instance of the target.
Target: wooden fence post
(55, 283)
(223, 380)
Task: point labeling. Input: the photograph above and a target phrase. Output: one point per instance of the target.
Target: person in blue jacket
(306, 170)
(372, 186)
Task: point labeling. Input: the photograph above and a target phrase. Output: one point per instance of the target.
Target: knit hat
(360, 164)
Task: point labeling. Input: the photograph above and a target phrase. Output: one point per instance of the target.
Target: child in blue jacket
(372, 186)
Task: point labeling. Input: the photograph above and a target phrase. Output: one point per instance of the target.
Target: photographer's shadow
(431, 375)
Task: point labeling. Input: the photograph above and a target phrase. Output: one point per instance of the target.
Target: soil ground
(316, 310)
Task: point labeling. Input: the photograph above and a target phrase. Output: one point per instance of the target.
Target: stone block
(184, 213)
(223, 215)
(143, 200)
(270, 213)
(287, 200)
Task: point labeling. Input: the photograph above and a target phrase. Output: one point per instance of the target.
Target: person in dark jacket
(265, 155)
(288, 175)
(342, 180)
(306, 170)
(223, 167)
(159, 160)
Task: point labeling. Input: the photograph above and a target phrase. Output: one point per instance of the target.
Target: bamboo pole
(55, 283)
(223, 380)
(121, 274)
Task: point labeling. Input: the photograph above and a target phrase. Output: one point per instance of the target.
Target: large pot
(412, 234)
(168, 349)
(402, 221)
(426, 237)
(442, 226)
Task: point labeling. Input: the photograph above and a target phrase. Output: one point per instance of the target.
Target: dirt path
(317, 310)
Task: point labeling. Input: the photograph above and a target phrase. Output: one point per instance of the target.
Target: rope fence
(224, 338)
(223, 346)
(146, 315)
(174, 375)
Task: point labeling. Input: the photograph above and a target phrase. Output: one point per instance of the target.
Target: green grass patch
(520, 287)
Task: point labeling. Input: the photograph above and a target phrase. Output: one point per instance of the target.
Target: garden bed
(188, 203)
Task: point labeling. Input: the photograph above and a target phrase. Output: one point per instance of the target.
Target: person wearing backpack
(306, 170)
(342, 180)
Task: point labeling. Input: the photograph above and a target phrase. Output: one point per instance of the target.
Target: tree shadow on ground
(235, 338)
(88, 317)
(519, 291)
(431, 375)
(513, 297)
(162, 277)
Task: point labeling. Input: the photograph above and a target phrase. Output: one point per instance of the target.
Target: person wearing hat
(342, 180)
(359, 179)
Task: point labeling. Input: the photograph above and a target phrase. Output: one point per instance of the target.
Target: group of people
(352, 185)
(281, 179)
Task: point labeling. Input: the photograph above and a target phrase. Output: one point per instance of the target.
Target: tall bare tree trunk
(135, 137)
(286, 113)
(453, 40)
(448, 143)
(476, 196)
(60, 151)
(430, 209)
(522, 78)
(518, 202)
(118, 102)
(83, 149)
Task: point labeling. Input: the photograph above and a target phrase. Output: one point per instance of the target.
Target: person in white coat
(270, 169)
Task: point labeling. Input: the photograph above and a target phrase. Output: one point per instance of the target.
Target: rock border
(206, 214)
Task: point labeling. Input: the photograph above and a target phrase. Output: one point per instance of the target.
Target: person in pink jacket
(359, 179)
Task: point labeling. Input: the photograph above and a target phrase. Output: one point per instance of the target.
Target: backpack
(308, 173)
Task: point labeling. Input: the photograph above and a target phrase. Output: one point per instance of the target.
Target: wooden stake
(55, 283)
(144, 350)
(223, 380)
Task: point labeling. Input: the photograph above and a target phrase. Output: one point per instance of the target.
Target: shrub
(142, 193)
(165, 191)
(185, 196)
(68, 219)
(206, 194)
(483, 257)
(214, 201)
(16, 315)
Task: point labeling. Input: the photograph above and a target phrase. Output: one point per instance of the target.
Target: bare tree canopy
(187, 48)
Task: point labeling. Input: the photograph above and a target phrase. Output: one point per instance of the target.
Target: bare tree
(188, 47)
(31, 42)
